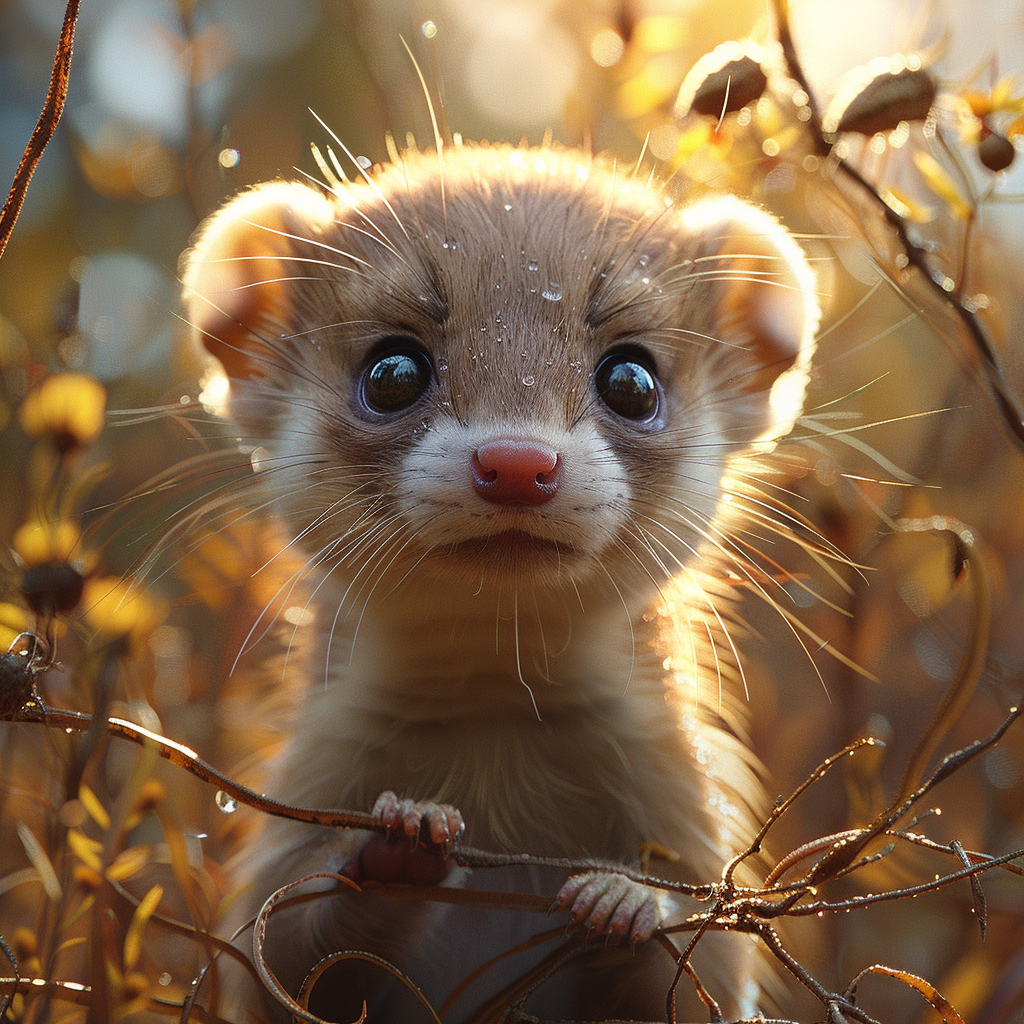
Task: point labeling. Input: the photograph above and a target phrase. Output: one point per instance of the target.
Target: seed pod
(53, 587)
(876, 97)
(996, 151)
(724, 80)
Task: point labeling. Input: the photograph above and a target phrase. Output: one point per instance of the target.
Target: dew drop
(528, 381)
(164, 979)
(508, 206)
(429, 29)
(258, 458)
(553, 292)
(226, 802)
(644, 259)
(533, 266)
(229, 158)
(442, 367)
(364, 162)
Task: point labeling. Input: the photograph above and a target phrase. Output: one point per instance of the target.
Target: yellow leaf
(906, 207)
(942, 185)
(128, 863)
(143, 912)
(91, 803)
(40, 861)
(87, 850)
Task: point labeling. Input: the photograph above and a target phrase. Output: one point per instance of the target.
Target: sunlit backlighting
(215, 390)
(607, 47)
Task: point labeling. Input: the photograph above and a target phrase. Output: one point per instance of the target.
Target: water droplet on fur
(258, 458)
(229, 158)
(429, 29)
(442, 367)
(164, 979)
(226, 802)
(553, 292)
(365, 162)
(528, 381)
(533, 266)
(508, 206)
(644, 259)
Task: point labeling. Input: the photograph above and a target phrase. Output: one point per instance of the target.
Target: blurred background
(175, 105)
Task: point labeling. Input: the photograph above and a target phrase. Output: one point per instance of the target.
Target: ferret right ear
(235, 276)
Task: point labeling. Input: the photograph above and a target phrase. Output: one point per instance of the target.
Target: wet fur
(529, 665)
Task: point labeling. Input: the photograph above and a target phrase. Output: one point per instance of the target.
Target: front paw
(418, 843)
(440, 825)
(612, 905)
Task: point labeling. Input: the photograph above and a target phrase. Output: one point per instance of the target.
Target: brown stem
(45, 126)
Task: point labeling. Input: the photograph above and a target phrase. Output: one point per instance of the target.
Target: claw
(610, 905)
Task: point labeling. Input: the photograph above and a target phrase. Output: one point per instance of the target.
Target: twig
(45, 126)
(1002, 394)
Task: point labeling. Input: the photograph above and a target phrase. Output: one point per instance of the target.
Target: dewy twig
(45, 126)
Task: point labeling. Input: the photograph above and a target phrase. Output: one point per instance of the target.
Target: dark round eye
(397, 379)
(627, 386)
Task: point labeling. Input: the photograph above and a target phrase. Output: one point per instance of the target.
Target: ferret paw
(612, 905)
(432, 828)
(440, 825)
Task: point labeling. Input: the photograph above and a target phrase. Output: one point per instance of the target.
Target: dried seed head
(726, 79)
(996, 151)
(878, 96)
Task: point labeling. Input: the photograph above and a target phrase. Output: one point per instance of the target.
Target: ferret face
(510, 367)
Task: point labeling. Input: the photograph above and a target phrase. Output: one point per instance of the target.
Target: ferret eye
(396, 379)
(626, 385)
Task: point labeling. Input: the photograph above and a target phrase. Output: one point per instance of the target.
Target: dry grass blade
(939, 1003)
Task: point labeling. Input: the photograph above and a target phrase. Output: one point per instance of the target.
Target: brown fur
(509, 660)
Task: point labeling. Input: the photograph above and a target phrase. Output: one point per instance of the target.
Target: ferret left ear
(236, 273)
(767, 305)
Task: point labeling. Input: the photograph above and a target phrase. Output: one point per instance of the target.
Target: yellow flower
(67, 408)
(53, 578)
(116, 610)
(13, 620)
(37, 542)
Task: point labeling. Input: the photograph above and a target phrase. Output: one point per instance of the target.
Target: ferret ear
(767, 305)
(233, 275)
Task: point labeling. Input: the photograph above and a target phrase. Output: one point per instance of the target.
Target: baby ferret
(500, 389)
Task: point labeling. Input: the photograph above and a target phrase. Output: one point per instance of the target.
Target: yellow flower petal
(942, 185)
(38, 543)
(67, 408)
(116, 610)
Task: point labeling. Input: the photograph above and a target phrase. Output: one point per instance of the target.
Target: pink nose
(514, 472)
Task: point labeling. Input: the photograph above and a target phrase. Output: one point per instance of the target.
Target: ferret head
(501, 367)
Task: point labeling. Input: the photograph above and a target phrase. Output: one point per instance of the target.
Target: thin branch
(56, 94)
